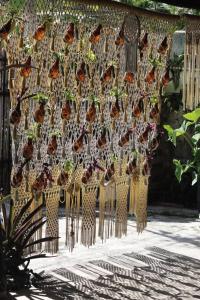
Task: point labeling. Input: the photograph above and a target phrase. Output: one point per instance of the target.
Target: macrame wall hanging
(191, 80)
(85, 82)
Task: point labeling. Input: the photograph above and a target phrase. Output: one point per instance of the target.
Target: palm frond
(32, 214)
(42, 240)
(26, 228)
(32, 232)
(21, 213)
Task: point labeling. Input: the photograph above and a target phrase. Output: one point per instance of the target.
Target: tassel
(102, 201)
(52, 197)
(121, 206)
(72, 195)
(88, 226)
(134, 189)
(141, 204)
(107, 195)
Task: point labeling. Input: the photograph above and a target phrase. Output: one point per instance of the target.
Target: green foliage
(173, 102)
(68, 165)
(154, 99)
(94, 99)
(91, 56)
(193, 165)
(40, 97)
(56, 133)
(31, 133)
(155, 62)
(118, 93)
(69, 95)
(16, 6)
(16, 235)
(161, 7)
(193, 116)
(176, 66)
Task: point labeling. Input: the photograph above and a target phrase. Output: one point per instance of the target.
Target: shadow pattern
(156, 274)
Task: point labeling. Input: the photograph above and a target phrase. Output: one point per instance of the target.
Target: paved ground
(127, 268)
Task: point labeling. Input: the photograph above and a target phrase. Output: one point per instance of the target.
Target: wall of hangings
(85, 93)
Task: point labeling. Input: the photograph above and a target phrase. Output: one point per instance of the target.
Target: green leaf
(56, 133)
(68, 165)
(193, 116)
(40, 97)
(194, 178)
(169, 129)
(171, 133)
(181, 168)
(178, 170)
(179, 131)
(117, 93)
(91, 56)
(197, 128)
(196, 155)
(154, 99)
(186, 124)
(69, 95)
(196, 138)
(94, 99)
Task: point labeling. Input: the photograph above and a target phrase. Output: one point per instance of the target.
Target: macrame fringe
(121, 207)
(72, 219)
(52, 199)
(107, 196)
(88, 226)
(141, 203)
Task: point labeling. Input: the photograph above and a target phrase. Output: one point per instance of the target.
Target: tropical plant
(16, 236)
(176, 66)
(161, 7)
(190, 131)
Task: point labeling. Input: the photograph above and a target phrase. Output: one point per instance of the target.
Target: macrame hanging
(191, 81)
(85, 82)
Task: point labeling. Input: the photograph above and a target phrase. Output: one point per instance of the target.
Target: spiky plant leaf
(32, 232)
(32, 214)
(21, 213)
(42, 240)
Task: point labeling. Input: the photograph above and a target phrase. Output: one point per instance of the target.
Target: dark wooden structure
(5, 145)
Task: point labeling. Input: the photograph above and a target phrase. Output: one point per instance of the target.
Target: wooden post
(5, 145)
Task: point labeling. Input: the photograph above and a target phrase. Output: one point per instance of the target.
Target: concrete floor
(180, 235)
(176, 234)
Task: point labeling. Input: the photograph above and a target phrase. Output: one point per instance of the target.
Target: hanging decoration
(191, 79)
(85, 82)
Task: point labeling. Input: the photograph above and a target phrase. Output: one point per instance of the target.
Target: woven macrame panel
(191, 91)
(88, 227)
(86, 86)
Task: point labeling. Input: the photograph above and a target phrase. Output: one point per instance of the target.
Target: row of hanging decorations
(85, 93)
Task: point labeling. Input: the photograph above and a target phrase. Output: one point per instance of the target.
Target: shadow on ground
(159, 274)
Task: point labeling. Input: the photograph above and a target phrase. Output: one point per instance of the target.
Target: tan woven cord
(191, 79)
(90, 117)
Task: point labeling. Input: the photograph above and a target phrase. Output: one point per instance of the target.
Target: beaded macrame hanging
(191, 80)
(85, 81)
